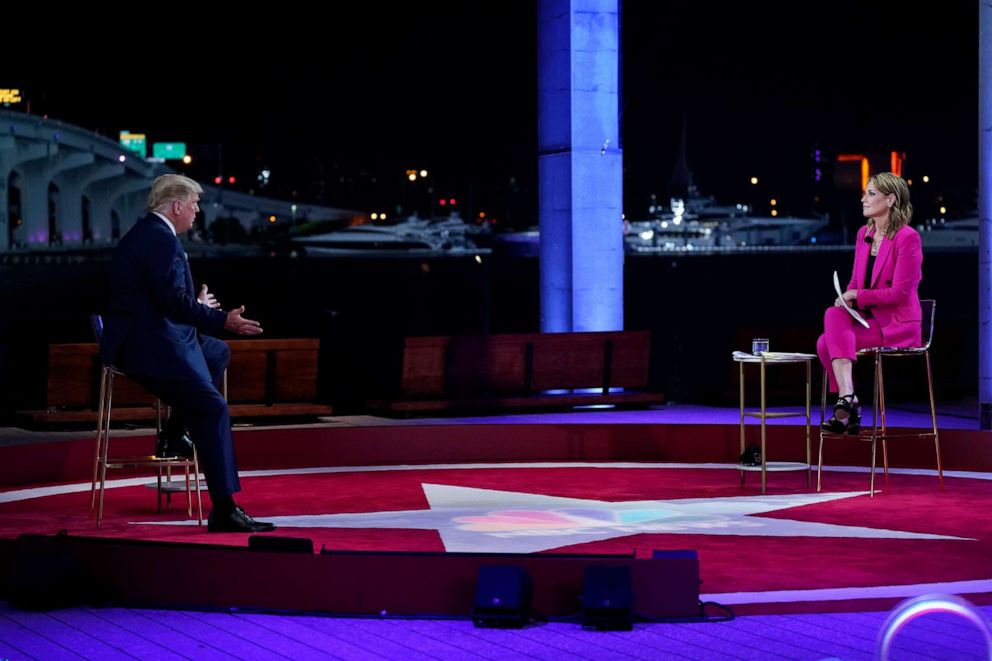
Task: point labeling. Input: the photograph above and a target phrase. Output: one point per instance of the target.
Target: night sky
(338, 108)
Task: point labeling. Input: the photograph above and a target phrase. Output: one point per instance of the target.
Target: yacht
(699, 223)
(962, 233)
(414, 235)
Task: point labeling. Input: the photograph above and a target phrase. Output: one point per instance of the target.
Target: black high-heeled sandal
(850, 420)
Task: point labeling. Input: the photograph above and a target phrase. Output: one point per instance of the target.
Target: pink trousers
(842, 337)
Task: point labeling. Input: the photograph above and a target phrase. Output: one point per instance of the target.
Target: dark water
(699, 307)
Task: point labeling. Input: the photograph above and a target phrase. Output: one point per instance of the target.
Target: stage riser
(271, 448)
(192, 576)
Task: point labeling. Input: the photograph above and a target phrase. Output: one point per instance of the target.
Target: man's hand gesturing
(238, 324)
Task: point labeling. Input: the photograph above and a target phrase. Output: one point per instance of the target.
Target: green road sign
(169, 150)
(134, 142)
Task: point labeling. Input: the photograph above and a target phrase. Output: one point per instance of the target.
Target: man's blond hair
(171, 187)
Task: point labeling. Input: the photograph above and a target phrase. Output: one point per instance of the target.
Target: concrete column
(14, 154)
(131, 206)
(580, 165)
(35, 181)
(7, 147)
(69, 201)
(128, 198)
(104, 196)
(88, 177)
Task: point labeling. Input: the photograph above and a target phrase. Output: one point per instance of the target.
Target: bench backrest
(262, 371)
(524, 363)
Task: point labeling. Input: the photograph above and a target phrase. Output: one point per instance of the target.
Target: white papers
(771, 356)
(852, 311)
(786, 355)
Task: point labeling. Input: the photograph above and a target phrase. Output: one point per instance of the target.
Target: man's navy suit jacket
(153, 317)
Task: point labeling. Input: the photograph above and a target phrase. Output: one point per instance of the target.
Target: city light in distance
(754, 181)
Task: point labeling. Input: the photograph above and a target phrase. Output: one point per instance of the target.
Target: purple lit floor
(950, 415)
(116, 633)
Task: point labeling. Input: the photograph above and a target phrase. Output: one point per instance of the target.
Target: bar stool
(879, 431)
(102, 461)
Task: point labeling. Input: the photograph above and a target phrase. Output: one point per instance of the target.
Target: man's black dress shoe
(174, 447)
(237, 520)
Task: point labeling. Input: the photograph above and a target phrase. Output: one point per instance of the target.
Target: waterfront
(699, 308)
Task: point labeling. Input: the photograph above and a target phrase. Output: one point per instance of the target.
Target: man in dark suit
(152, 332)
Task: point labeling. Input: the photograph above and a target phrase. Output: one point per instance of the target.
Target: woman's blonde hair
(171, 187)
(901, 211)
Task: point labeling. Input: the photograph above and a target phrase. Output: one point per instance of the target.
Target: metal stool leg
(823, 416)
(158, 489)
(741, 400)
(168, 469)
(871, 482)
(189, 494)
(196, 478)
(809, 392)
(99, 438)
(764, 428)
(108, 402)
(933, 421)
(881, 409)
(875, 405)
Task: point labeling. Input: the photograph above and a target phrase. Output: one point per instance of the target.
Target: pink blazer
(893, 299)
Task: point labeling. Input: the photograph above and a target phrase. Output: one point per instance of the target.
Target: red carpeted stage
(388, 501)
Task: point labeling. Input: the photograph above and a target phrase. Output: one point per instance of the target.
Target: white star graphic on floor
(491, 521)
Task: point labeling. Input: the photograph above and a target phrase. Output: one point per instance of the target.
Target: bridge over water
(62, 185)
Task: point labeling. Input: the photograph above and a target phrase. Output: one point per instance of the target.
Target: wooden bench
(266, 378)
(522, 370)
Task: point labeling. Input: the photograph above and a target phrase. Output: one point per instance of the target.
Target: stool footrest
(137, 462)
(774, 414)
(776, 466)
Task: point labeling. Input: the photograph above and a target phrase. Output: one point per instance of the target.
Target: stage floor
(615, 482)
(950, 415)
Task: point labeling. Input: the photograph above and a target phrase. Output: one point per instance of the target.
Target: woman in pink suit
(887, 271)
